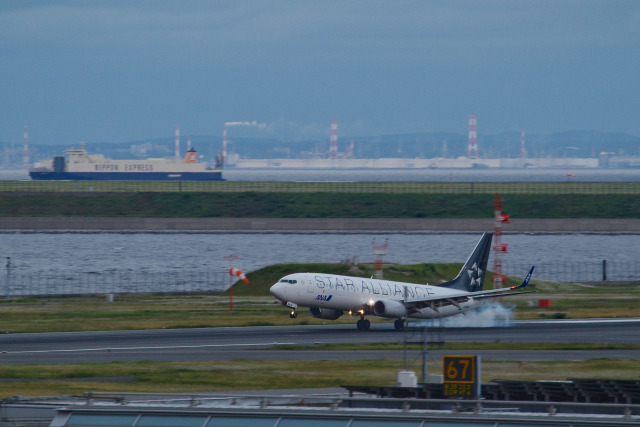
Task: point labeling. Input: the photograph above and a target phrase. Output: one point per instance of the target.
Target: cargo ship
(77, 164)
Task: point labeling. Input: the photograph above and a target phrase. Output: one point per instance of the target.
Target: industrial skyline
(592, 148)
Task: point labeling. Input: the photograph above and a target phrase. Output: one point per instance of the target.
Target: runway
(261, 343)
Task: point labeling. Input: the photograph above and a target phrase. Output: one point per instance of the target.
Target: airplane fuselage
(329, 296)
(353, 294)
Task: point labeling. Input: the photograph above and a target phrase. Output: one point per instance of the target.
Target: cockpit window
(288, 281)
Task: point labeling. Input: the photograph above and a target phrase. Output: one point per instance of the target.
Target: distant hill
(417, 145)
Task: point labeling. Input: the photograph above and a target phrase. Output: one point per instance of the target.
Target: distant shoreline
(313, 225)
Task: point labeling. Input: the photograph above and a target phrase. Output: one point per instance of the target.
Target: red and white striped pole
(499, 218)
(333, 143)
(25, 149)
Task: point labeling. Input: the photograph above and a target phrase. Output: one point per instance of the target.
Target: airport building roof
(304, 407)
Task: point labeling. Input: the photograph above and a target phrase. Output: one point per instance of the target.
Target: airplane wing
(458, 298)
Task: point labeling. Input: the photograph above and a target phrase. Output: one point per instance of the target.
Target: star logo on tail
(475, 276)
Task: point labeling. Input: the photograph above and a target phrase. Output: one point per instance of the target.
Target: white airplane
(329, 296)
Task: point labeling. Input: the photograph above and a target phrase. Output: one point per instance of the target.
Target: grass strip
(312, 205)
(253, 306)
(192, 377)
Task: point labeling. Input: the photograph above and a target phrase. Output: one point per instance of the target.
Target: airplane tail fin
(471, 276)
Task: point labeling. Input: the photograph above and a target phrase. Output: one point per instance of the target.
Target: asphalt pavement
(264, 343)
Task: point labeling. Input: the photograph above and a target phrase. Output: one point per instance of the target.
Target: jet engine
(325, 313)
(389, 308)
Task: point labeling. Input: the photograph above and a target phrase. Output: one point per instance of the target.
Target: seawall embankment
(305, 225)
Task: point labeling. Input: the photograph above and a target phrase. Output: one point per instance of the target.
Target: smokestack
(523, 150)
(472, 148)
(224, 144)
(349, 153)
(25, 149)
(224, 134)
(177, 142)
(333, 143)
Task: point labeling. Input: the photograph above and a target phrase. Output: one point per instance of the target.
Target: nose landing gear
(293, 307)
(363, 324)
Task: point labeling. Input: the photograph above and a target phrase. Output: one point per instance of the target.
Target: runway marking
(579, 321)
(266, 344)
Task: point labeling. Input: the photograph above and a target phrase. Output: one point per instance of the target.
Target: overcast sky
(129, 70)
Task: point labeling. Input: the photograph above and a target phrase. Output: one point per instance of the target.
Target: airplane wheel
(400, 324)
(363, 324)
(293, 315)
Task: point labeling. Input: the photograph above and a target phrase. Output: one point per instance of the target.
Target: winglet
(526, 280)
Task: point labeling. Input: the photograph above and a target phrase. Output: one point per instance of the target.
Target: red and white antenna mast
(379, 251)
(333, 143)
(224, 144)
(177, 142)
(499, 247)
(472, 148)
(523, 150)
(25, 149)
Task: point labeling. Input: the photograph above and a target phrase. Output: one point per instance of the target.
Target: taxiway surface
(261, 343)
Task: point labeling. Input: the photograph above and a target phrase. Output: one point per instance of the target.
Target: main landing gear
(363, 324)
(400, 324)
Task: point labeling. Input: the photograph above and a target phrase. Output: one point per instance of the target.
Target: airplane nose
(278, 291)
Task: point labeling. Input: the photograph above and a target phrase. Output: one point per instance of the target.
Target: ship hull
(126, 176)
